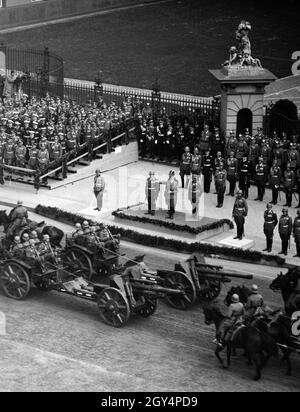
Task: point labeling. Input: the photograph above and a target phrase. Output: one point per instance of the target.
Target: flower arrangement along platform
(189, 227)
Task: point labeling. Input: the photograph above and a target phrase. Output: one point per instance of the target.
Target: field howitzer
(208, 279)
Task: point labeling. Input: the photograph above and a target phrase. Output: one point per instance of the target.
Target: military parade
(149, 239)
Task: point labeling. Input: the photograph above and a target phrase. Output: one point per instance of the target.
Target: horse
(246, 337)
(286, 285)
(280, 331)
(242, 291)
(56, 235)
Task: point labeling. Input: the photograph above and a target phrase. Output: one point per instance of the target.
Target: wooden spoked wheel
(79, 263)
(15, 281)
(113, 307)
(179, 281)
(148, 309)
(210, 290)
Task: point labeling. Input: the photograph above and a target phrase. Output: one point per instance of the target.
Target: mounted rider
(235, 315)
(18, 217)
(255, 305)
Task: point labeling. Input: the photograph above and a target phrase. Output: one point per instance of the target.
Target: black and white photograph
(149, 199)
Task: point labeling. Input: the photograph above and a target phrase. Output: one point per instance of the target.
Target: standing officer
(99, 186)
(185, 166)
(239, 212)
(207, 169)
(231, 144)
(171, 194)
(296, 233)
(270, 223)
(195, 193)
(297, 177)
(152, 192)
(220, 182)
(218, 143)
(232, 173)
(275, 179)
(260, 179)
(20, 154)
(244, 177)
(288, 182)
(285, 229)
(205, 139)
(196, 162)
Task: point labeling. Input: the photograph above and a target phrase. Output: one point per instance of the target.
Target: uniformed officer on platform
(296, 233)
(239, 212)
(152, 192)
(185, 166)
(285, 229)
(220, 182)
(195, 193)
(171, 194)
(270, 222)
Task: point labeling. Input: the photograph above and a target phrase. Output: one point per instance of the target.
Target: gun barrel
(157, 289)
(217, 274)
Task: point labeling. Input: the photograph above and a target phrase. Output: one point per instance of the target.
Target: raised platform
(192, 228)
(244, 244)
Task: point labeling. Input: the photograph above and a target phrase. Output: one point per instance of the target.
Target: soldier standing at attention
(244, 177)
(220, 182)
(285, 230)
(171, 194)
(239, 212)
(205, 139)
(196, 162)
(207, 169)
(232, 173)
(271, 220)
(99, 186)
(152, 192)
(288, 182)
(296, 233)
(195, 193)
(260, 179)
(275, 179)
(185, 166)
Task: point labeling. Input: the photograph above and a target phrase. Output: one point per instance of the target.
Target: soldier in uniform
(260, 179)
(152, 192)
(78, 231)
(235, 314)
(32, 153)
(220, 183)
(253, 156)
(293, 157)
(275, 179)
(255, 305)
(218, 143)
(17, 249)
(20, 154)
(9, 152)
(239, 212)
(218, 160)
(232, 173)
(231, 144)
(297, 177)
(288, 182)
(205, 139)
(185, 166)
(43, 159)
(195, 193)
(242, 148)
(99, 186)
(296, 233)
(207, 170)
(266, 153)
(171, 194)
(259, 137)
(270, 222)
(56, 150)
(196, 162)
(285, 229)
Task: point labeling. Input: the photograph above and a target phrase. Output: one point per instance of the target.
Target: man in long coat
(152, 192)
(171, 194)
(99, 186)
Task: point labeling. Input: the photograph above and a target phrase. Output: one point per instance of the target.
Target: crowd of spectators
(37, 133)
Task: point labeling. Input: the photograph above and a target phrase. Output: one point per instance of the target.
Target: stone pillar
(243, 89)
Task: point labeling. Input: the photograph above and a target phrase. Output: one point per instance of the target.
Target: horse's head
(212, 314)
(278, 282)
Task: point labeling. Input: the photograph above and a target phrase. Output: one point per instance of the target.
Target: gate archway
(283, 117)
(244, 121)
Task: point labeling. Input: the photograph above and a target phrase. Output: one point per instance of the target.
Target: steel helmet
(17, 239)
(235, 298)
(46, 238)
(254, 288)
(78, 226)
(85, 224)
(34, 235)
(32, 242)
(25, 237)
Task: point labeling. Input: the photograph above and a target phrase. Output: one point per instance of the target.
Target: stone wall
(22, 12)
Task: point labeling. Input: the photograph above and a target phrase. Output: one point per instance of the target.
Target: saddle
(232, 332)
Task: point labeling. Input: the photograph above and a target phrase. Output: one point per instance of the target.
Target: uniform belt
(285, 226)
(260, 174)
(271, 221)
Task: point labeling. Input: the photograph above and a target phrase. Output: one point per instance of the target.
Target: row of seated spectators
(37, 133)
